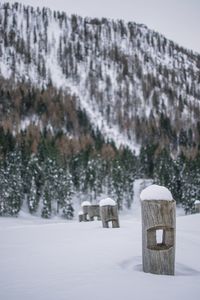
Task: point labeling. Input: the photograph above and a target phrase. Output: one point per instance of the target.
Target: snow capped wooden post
(85, 207)
(158, 230)
(109, 213)
(81, 217)
(197, 206)
(94, 211)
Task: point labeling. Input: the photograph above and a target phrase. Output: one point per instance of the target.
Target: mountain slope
(134, 85)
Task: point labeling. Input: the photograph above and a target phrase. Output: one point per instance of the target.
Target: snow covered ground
(55, 260)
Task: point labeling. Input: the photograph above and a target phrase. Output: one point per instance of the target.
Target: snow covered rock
(156, 192)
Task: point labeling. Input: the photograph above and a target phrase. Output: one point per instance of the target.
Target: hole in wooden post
(110, 224)
(159, 236)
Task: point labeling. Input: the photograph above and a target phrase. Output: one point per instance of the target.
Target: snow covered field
(55, 260)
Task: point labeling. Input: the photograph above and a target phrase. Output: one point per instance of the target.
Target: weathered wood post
(81, 216)
(109, 213)
(85, 207)
(94, 211)
(158, 230)
(197, 206)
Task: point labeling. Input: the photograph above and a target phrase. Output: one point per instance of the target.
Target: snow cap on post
(107, 201)
(85, 203)
(156, 192)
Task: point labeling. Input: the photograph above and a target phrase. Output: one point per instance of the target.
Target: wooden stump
(158, 252)
(94, 211)
(109, 214)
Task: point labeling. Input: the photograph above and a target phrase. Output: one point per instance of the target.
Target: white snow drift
(48, 260)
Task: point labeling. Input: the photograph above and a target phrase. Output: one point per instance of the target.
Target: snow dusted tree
(163, 170)
(32, 197)
(14, 192)
(90, 175)
(51, 182)
(46, 210)
(33, 182)
(99, 181)
(191, 185)
(2, 191)
(94, 177)
(65, 192)
(130, 166)
(118, 183)
(68, 210)
(167, 172)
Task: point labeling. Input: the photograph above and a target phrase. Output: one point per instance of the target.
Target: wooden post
(197, 206)
(94, 211)
(85, 207)
(109, 213)
(158, 235)
(81, 217)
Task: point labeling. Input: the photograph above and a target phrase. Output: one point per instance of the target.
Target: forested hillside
(87, 105)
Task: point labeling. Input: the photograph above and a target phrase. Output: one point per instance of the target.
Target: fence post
(109, 213)
(158, 230)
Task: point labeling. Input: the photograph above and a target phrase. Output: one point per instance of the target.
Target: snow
(48, 260)
(107, 201)
(156, 192)
(197, 202)
(85, 203)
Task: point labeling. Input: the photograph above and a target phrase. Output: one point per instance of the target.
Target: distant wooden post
(158, 230)
(85, 207)
(109, 213)
(94, 211)
(81, 217)
(197, 206)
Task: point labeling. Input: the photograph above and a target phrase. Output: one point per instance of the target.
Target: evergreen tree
(32, 197)
(118, 183)
(146, 160)
(14, 192)
(46, 210)
(191, 185)
(168, 173)
(65, 192)
(2, 191)
(51, 183)
(68, 210)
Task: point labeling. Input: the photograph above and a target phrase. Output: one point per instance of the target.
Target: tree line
(47, 184)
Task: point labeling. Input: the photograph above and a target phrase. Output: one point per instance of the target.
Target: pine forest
(87, 106)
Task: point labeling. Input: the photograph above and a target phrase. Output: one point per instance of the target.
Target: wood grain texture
(85, 209)
(158, 215)
(108, 214)
(82, 218)
(197, 208)
(94, 211)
